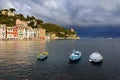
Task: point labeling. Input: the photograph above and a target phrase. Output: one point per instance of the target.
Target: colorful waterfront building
(2, 31)
(12, 32)
(9, 32)
(20, 31)
(15, 32)
(40, 34)
(30, 33)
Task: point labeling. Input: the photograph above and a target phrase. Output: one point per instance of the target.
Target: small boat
(95, 57)
(76, 55)
(42, 56)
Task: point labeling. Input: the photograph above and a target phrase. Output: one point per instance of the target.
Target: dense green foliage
(57, 29)
(9, 21)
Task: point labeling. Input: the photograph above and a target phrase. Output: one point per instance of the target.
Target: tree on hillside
(21, 17)
(0, 12)
(39, 21)
(12, 9)
(5, 9)
(32, 24)
(30, 18)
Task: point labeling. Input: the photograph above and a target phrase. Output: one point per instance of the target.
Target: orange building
(15, 32)
(42, 34)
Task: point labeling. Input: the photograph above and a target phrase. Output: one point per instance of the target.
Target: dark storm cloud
(69, 12)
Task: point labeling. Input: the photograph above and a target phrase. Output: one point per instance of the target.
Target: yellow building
(4, 12)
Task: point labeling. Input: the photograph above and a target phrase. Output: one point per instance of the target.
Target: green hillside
(35, 23)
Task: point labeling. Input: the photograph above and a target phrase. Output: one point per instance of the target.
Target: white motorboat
(95, 57)
(76, 55)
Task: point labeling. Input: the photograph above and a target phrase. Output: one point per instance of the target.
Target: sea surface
(18, 60)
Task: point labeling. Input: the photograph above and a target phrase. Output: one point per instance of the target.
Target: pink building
(22, 23)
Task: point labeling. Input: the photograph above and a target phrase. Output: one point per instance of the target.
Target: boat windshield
(76, 53)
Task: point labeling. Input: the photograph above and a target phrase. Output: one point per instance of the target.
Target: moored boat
(96, 57)
(42, 56)
(76, 55)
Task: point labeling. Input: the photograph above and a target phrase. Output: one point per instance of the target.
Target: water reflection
(18, 55)
(20, 52)
(97, 64)
(74, 62)
(42, 46)
(18, 60)
(42, 60)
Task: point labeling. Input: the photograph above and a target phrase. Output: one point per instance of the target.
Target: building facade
(7, 12)
(22, 23)
(10, 13)
(9, 32)
(21, 31)
(40, 33)
(15, 32)
(2, 31)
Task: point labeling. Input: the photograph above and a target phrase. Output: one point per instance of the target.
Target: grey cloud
(69, 12)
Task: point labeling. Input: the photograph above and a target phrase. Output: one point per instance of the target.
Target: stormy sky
(69, 12)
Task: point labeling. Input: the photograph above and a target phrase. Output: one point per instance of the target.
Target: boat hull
(42, 56)
(95, 61)
(76, 55)
(72, 60)
(96, 57)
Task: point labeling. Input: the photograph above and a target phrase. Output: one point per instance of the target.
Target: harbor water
(18, 60)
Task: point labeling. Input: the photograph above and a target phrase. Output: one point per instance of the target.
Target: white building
(10, 13)
(2, 31)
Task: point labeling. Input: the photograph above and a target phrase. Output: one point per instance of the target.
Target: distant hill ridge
(103, 31)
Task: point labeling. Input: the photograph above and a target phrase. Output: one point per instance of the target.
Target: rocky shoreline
(68, 38)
